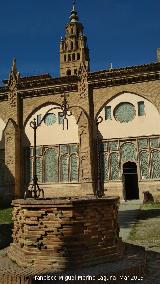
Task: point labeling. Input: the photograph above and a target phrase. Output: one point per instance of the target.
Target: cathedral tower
(73, 48)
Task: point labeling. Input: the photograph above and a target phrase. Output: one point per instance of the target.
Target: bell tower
(73, 47)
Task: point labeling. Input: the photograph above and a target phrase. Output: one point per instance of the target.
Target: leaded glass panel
(107, 112)
(39, 117)
(114, 160)
(50, 119)
(154, 142)
(38, 151)
(156, 164)
(105, 146)
(124, 112)
(141, 108)
(74, 161)
(73, 148)
(64, 167)
(144, 164)
(39, 169)
(113, 145)
(51, 165)
(104, 167)
(63, 149)
(143, 143)
(128, 152)
(60, 117)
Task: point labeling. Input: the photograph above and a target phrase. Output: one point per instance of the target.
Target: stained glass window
(51, 165)
(124, 112)
(154, 142)
(50, 119)
(74, 168)
(107, 112)
(105, 146)
(141, 109)
(39, 117)
(156, 164)
(113, 145)
(64, 149)
(64, 168)
(142, 143)
(114, 160)
(39, 169)
(104, 167)
(38, 150)
(73, 148)
(144, 164)
(128, 152)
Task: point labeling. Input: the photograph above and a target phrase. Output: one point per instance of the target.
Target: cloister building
(126, 100)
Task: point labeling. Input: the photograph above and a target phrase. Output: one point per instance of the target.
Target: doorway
(130, 181)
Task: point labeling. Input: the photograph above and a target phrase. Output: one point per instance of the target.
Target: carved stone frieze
(83, 85)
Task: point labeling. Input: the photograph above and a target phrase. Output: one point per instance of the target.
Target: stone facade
(88, 93)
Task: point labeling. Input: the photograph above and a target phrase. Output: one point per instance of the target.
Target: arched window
(75, 71)
(144, 164)
(64, 169)
(68, 72)
(51, 165)
(65, 57)
(69, 57)
(71, 45)
(74, 163)
(114, 160)
(155, 164)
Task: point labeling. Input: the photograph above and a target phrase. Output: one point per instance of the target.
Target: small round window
(50, 119)
(124, 112)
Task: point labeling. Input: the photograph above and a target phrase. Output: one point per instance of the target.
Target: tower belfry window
(73, 56)
(78, 56)
(68, 72)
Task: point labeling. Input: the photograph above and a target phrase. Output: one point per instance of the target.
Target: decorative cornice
(43, 85)
(122, 76)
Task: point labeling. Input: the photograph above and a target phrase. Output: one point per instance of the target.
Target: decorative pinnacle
(74, 4)
(74, 17)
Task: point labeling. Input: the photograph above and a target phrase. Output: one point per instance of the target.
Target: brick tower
(73, 48)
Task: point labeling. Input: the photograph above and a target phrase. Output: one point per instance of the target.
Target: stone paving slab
(128, 213)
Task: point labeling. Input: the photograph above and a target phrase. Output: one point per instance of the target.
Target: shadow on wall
(26, 172)
(101, 160)
(7, 185)
(7, 181)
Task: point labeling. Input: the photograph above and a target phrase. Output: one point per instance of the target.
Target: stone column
(12, 159)
(85, 127)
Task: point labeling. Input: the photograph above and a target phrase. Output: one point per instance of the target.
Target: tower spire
(74, 16)
(73, 47)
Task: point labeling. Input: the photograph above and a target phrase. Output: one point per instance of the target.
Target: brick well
(65, 233)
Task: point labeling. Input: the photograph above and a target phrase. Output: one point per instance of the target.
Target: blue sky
(124, 32)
